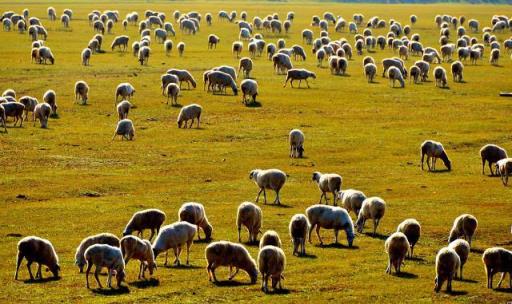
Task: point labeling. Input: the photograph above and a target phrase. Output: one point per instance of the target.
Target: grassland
(368, 133)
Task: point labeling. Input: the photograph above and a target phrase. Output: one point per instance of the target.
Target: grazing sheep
(30, 103)
(160, 35)
(434, 150)
(299, 228)
(237, 48)
(144, 55)
(125, 129)
(497, 259)
(194, 213)
(250, 216)
(282, 63)
(271, 264)
(494, 56)
(298, 52)
(296, 140)
(342, 64)
(463, 226)
(81, 91)
(224, 253)
(245, 64)
(9, 92)
(181, 48)
(86, 56)
(99, 26)
(102, 238)
(168, 44)
(41, 251)
(272, 179)
(13, 109)
(64, 19)
(352, 200)
(226, 69)
(172, 91)
(328, 182)
(372, 208)
(393, 62)
(414, 74)
(189, 112)
(123, 108)
(504, 168)
(396, 246)
(175, 236)
(412, 230)
(370, 70)
(440, 77)
(103, 255)
(120, 42)
(307, 36)
(134, 248)
(298, 74)
(457, 69)
(330, 217)
(394, 75)
(270, 238)
(249, 87)
(183, 76)
(167, 79)
(93, 46)
(221, 80)
(146, 219)
(492, 154)
(320, 57)
(447, 263)
(125, 90)
(462, 248)
(52, 14)
(42, 112)
(44, 53)
(135, 48)
(212, 41)
(424, 69)
(271, 50)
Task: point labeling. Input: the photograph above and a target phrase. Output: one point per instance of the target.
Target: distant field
(368, 133)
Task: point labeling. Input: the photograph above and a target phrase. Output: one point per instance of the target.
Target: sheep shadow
(467, 281)
(177, 105)
(477, 250)
(415, 259)
(278, 292)
(504, 290)
(203, 241)
(254, 104)
(442, 171)
(343, 75)
(444, 88)
(111, 291)
(376, 236)
(152, 282)
(307, 256)
(337, 246)
(182, 266)
(497, 244)
(456, 293)
(231, 283)
(284, 206)
(41, 281)
(406, 275)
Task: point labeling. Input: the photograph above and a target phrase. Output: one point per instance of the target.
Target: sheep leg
(239, 229)
(307, 82)
(140, 270)
(321, 196)
(232, 276)
(501, 279)
(460, 275)
(39, 275)
(109, 278)
(89, 266)
(258, 196)
(176, 254)
(18, 263)
(335, 236)
(166, 255)
(318, 234)
(264, 196)
(277, 200)
(375, 224)
(428, 163)
(449, 284)
(96, 273)
(189, 243)
(388, 269)
(152, 234)
(490, 168)
(198, 236)
(334, 198)
(483, 166)
(29, 263)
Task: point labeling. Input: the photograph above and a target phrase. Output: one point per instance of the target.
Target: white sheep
(134, 248)
(120, 42)
(370, 70)
(434, 150)
(440, 77)
(81, 91)
(125, 90)
(189, 112)
(125, 129)
(181, 48)
(245, 65)
(30, 104)
(328, 182)
(492, 154)
(103, 255)
(396, 246)
(463, 226)
(250, 216)
(50, 97)
(224, 253)
(183, 76)
(394, 74)
(497, 259)
(42, 112)
(175, 236)
(503, 169)
(296, 140)
(194, 213)
(271, 264)
(146, 219)
(299, 228)
(330, 217)
(270, 237)
(272, 179)
(144, 55)
(172, 91)
(168, 44)
(372, 208)
(447, 263)
(352, 200)
(462, 248)
(102, 238)
(249, 87)
(298, 74)
(86, 56)
(281, 62)
(123, 108)
(412, 230)
(41, 251)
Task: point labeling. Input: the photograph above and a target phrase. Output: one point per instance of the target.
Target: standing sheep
(50, 97)
(30, 104)
(102, 238)
(271, 264)
(328, 182)
(183, 76)
(225, 253)
(181, 48)
(440, 77)
(298, 74)
(296, 140)
(299, 228)
(134, 248)
(42, 112)
(81, 91)
(103, 255)
(245, 64)
(212, 41)
(189, 112)
(120, 42)
(447, 263)
(125, 129)
(497, 259)
(41, 251)
(168, 44)
(372, 208)
(457, 69)
(462, 248)
(434, 150)
(172, 91)
(86, 56)
(146, 219)
(272, 179)
(370, 70)
(250, 216)
(249, 87)
(125, 90)
(329, 217)
(396, 246)
(463, 226)
(503, 169)
(492, 154)
(123, 108)
(13, 109)
(412, 230)
(144, 55)
(175, 236)
(394, 75)
(270, 237)
(194, 213)
(352, 200)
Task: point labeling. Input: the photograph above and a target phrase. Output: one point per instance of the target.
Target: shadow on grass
(376, 236)
(253, 104)
(231, 283)
(440, 171)
(467, 281)
(415, 258)
(336, 245)
(203, 241)
(278, 292)
(406, 275)
(177, 105)
(307, 256)
(152, 282)
(43, 280)
(182, 266)
(504, 243)
(456, 293)
(112, 291)
(504, 290)
(477, 250)
(278, 205)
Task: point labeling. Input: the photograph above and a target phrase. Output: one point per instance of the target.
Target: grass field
(368, 133)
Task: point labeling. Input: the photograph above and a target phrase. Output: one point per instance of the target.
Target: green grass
(370, 134)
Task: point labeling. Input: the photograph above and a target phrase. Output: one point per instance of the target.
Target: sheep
(125, 90)
(296, 140)
(474, 55)
(320, 56)
(81, 91)
(86, 56)
(412, 230)
(135, 48)
(394, 74)
(226, 69)
(298, 52)
(503, 169)
(352, 200)
(181, 48)
(396, 246)
(245, 64)
(172, 90)
(123, 108)
(167, 79)
(372, 208)
(270, 238)
(440, 77)
(342, 64)
(271, 264)
(188, 26)
(42, 111)
(44, 53)
(99, 26)
(143, 55)
(249, 87)
(3, 118)
(462, 248)
(330, 217)
(175, 236)
(497, 259)
(457, 69)
(250, 216)
(102, 238)
(299, 228)
(93, 46)
(212, 41)
(271, 50)
(403, 52)
(134, 248)
(146, 219)
(393, 62)
(9, 92)
(194, 213)
(125, 129)
(447, 263)
(30, 103)
(237, 48)
(298, 74)
(282, 63)
(424, 69)
(434, 150)
(224, 253)
(414, 74)
(307, 36)
(221, 80)
(328, 182)
(370, 70)
(13, 109)
(168, 44)
(41, 251)
(120, 42)
(272, 179)
(494, 56)
(189, 112)
(492, 154)
(184, 76)
(103, 255)
(463, 226)
(64, 19)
